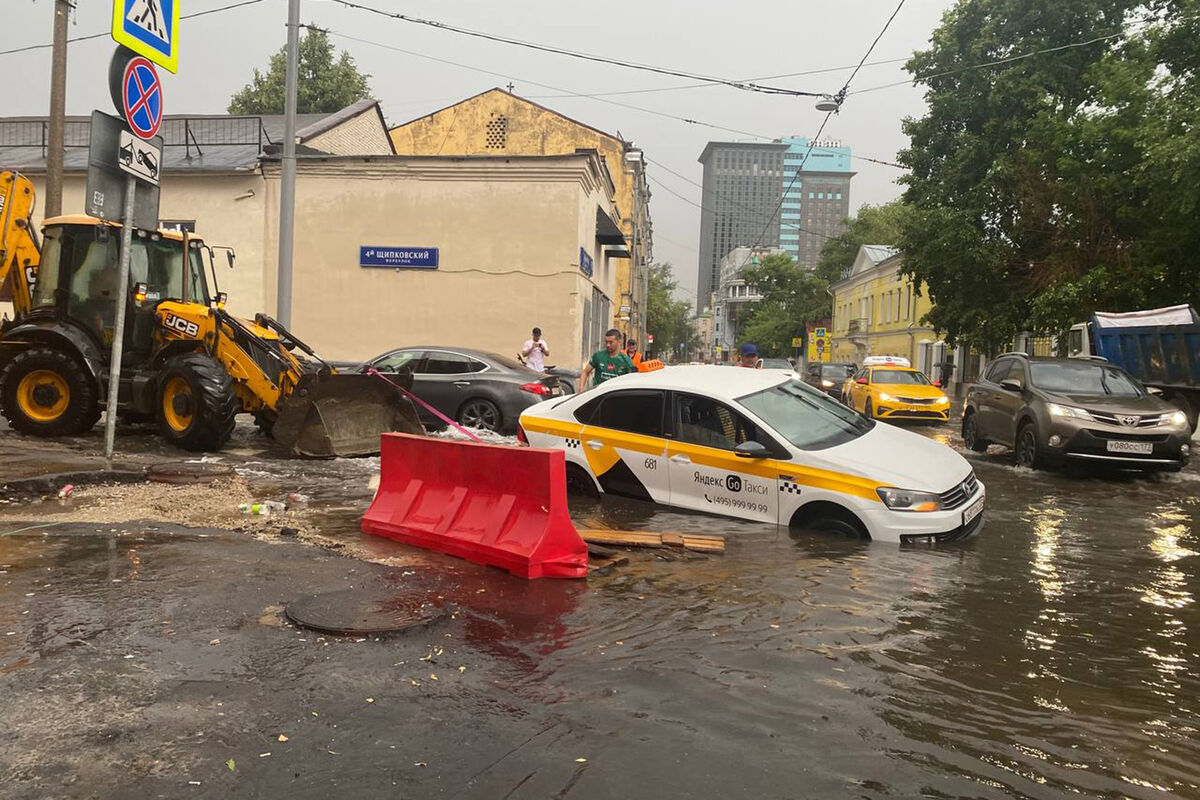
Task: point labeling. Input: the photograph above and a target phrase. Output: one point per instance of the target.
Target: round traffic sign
(142, 97)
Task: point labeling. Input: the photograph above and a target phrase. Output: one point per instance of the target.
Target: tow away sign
(149, 28)
(139, 157)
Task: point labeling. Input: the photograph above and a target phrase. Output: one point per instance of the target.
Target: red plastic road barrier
(491, 504)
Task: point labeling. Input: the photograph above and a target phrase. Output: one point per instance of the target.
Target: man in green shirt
(607, 363)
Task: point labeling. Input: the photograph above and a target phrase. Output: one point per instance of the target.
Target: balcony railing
(858, 325)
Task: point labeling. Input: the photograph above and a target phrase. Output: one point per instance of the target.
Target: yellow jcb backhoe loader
(187, 362)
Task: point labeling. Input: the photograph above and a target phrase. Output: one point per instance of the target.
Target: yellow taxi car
(890, 391)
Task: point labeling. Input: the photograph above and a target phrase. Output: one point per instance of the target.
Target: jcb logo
(180, 325)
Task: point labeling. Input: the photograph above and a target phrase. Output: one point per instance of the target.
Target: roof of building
(191, 142)
(708, 148)
(879, 252)
(614, 137)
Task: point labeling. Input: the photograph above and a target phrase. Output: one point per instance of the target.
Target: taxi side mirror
(862, 381)
(751, 450)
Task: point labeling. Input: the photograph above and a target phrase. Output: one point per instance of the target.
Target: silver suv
(1050, 410)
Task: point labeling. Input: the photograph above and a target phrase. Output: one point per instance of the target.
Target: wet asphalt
(1053, 655)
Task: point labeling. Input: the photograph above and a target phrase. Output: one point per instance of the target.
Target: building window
(497, 132)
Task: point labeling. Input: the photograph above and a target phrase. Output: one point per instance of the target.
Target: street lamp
(829, 103)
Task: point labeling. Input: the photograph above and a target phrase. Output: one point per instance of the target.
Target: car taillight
(521, 437)
(536, 388)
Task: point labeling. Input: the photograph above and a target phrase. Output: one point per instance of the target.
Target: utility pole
(58, 110)
(287, 188)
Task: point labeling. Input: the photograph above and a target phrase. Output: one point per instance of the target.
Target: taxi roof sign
(149, 28)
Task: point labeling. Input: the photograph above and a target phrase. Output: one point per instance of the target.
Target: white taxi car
(760, 445)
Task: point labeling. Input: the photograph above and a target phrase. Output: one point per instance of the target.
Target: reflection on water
(1051, 656)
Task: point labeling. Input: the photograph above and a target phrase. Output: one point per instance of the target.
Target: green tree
(1047, 187)
(871, 225)
(791, 296)
(323, 85)
(668, 319)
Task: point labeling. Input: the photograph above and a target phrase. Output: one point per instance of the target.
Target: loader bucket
(344, 415)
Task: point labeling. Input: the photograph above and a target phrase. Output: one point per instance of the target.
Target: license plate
(1141, 448)
(972, 511)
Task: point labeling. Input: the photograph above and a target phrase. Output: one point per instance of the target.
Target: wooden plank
(698, 542)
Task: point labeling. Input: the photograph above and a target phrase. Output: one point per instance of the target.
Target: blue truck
(1159, 347)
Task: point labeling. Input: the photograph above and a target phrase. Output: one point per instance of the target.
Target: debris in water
(264, 509)
(231, 764)
(295, 498)
(215, 641)
(66, 491)
(581, 761)
(370, 699)
(289, 531)
(283, 738)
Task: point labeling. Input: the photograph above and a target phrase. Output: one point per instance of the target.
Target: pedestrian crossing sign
(149, 28)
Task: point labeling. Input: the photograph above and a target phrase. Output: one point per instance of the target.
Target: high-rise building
(744, 184)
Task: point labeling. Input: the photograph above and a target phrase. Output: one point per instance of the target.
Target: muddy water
(1054, 655)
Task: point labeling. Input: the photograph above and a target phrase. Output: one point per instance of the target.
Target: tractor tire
(196, 403)
(45, 391)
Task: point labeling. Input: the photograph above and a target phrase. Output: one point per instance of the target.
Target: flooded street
(1054, 655)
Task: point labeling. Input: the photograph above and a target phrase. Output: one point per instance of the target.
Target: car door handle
(462, 383)
(680, 458)
(595, 445)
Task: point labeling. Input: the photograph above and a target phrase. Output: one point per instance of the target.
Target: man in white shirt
(536, 351)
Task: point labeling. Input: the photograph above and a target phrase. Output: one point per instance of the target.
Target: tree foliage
(323, 85)
(791, 297)
(872, 225)
(668, 319)
(1048, 187)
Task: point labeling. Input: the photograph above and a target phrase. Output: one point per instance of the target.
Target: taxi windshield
(809, 419)
(899, 377)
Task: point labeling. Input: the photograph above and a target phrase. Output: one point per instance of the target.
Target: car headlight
(908, 500)
(887, 398)
(827, 384)
(1178, 418)
(1067, 411)
(942, 401)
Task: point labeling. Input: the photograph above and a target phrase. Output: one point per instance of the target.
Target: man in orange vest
(631, 350)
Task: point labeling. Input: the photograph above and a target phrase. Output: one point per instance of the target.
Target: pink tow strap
(426, 406)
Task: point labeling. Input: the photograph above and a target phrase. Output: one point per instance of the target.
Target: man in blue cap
(750, 357)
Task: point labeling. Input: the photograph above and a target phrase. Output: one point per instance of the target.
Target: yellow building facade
(499, 123)
(877, 312)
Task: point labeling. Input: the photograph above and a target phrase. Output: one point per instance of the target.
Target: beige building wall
(508, 233)
(499, 123)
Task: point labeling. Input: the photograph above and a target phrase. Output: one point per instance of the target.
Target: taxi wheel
(869, 410)
(579, 481)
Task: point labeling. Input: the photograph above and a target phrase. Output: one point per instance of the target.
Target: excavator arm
(20, 251)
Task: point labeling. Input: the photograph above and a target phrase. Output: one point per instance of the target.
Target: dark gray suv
(1050, 410)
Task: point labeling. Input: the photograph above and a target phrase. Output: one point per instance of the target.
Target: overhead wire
(838, 98)
(108, 33)
(749, 86)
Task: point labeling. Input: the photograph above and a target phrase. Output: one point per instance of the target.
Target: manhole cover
(188, 472)
(369, 610)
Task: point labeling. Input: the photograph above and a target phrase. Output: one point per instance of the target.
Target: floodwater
(1056, 654)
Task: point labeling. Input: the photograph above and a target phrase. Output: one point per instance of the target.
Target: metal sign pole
(287, 187)
(118, 343)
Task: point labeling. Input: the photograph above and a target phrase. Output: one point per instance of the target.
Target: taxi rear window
(632, 411)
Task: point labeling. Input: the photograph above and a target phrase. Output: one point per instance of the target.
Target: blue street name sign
(586, 265)
(398, 257)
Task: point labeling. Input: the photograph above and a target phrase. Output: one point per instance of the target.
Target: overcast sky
(745, 39)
